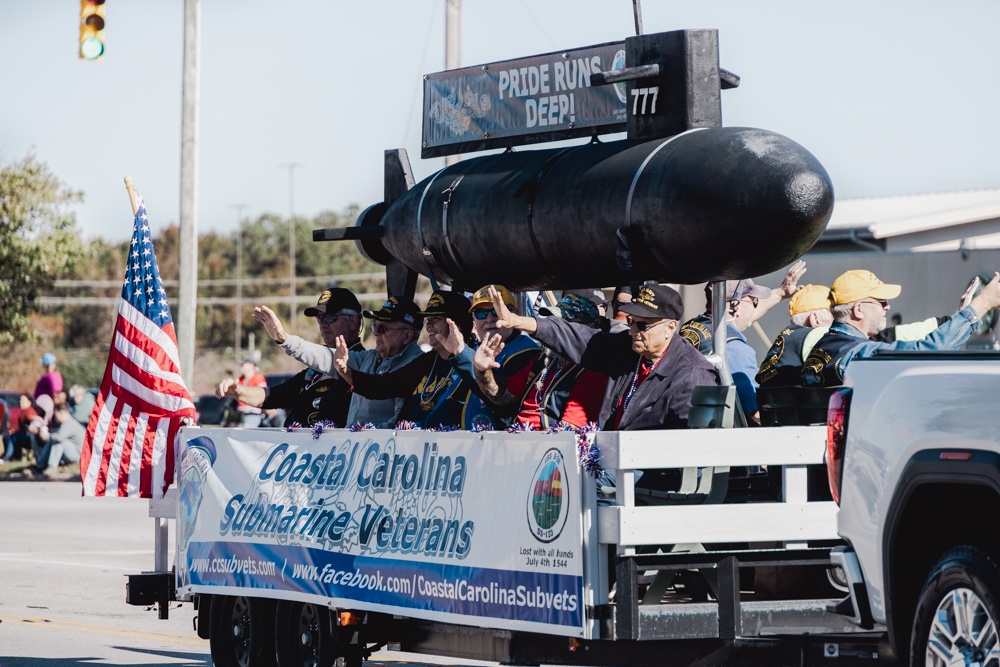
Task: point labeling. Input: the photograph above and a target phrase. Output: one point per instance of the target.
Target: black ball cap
(334, 300)
(655, 301)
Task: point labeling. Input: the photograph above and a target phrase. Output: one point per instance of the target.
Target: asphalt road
(63, 561)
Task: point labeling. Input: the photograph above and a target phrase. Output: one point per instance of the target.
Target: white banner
(469, 528)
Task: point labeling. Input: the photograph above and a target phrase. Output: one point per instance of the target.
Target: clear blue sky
(892, 96)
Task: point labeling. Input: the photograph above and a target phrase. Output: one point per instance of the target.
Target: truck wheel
(957, 613)
(302, 635)
(242, 632)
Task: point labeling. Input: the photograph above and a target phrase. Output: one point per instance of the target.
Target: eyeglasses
(641, 326)
(736, 302)
(483, 313)
(330, 318)
(379, 329)
(882, 303)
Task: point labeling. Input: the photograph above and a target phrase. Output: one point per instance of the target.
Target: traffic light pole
(187, 297)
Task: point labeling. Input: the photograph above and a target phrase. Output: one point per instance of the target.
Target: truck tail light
(836, 439)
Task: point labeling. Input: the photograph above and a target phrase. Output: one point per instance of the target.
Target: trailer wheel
(242, 632)
(302, 635)
(957, 612)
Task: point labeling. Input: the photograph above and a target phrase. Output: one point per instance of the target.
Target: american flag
(129, 448)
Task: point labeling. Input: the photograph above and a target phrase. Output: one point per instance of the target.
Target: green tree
(39, 241)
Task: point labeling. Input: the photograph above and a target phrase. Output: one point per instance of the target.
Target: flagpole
(131, 194)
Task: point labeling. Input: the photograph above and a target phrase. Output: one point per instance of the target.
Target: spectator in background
(250, 415)
(51, 382)
(4, 430)
(44, 406)
(63, 441)
(21, 439)
(312, 395)
(82, 404)
(811, 317)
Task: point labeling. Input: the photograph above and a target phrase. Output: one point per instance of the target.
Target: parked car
(12, 400)
(277, 378)
(213, 411)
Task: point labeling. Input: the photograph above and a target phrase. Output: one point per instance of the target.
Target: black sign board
(523, 101)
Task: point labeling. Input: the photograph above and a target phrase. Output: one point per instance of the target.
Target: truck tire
(302, 635)
(957, 612)
(242, 632)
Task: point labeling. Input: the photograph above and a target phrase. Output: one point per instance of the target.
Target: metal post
(637, 10)
(719, 332)
(452, 46)
(187, 295)
(291, 238)
(239, 279)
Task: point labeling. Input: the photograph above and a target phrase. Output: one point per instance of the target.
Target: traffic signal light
(91, 29)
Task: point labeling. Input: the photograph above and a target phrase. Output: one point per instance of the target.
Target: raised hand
(454, 342)
(340, 356)
(486, 354)
(789, 285)
(989, 297)
(226, 388)
(266, 316)
(969, 293)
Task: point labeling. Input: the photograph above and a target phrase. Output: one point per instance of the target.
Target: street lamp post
(291, 236)
(239, 279)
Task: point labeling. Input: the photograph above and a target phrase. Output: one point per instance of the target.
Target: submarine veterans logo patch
(548, 499)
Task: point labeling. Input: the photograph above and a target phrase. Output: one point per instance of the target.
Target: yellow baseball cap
(808, 299)
(858, 284)
(482, 297)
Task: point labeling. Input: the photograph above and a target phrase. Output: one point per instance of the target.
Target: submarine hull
(709, 204)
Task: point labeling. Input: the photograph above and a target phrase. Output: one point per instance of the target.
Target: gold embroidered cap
(655, 301)
(332, 301)
(396, 309)
(482, 297)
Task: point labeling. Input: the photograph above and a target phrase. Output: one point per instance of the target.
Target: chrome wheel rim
(962, 633)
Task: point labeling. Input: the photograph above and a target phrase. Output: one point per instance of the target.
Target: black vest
(698, 332)
(782, 364)
(821, 367)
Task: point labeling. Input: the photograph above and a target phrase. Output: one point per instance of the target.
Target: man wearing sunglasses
(652, 374)
(860, 302)
(311, 395)
(519, 349)
(552, 391)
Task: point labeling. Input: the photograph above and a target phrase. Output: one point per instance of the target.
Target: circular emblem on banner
(618, 64)
(548, 498)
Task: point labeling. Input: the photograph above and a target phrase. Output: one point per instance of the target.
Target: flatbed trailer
(727, 523)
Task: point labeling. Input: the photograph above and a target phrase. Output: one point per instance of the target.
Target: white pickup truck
(914, 453)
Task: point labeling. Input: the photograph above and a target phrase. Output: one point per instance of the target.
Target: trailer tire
(303, 636)
(242, 631)
(957, 611)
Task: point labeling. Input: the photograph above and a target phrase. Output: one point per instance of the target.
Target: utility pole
(187, 294)
(452, 46)
(239, 279)
(291, 236)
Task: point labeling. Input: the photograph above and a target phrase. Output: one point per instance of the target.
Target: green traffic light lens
(91, 48)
